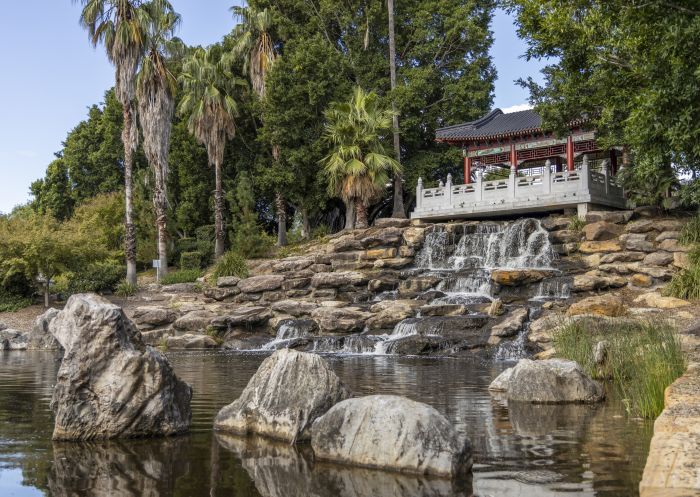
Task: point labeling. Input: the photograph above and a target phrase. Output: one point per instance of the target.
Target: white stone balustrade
(520, 194)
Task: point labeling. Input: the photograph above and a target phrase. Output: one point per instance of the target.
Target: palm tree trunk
(160, 202)
(218, 213)
(281, 206)
(360, 214)
(305, 224)
(398, 210)
(130, 228)
(350, 214)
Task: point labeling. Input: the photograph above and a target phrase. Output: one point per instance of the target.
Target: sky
(52, 75)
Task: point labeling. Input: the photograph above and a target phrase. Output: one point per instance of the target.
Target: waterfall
(434, 252)
(286, 333)
(554, 288)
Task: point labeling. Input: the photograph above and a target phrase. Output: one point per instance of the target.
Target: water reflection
(280, 470)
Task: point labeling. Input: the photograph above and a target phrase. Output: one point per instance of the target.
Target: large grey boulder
(13, 340)
(393, 433)
(110, 384)
(552, 381)
(287, 393)
(40, 336)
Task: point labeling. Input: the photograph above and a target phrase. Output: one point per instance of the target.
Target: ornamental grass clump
(641, 358)
(230, 264)
(686, 283)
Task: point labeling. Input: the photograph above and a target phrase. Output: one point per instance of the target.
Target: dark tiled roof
(494, 124)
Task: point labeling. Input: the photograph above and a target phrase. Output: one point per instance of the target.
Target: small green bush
(10, 302)
(576, 224)
(181, 276)
(103, 276)
(690, 234)
(191, 260)
(125, 289)
(643, 358)
(686, 283)
(231, 264)
(320, 231)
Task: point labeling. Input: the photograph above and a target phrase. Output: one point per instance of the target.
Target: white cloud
(516, 108)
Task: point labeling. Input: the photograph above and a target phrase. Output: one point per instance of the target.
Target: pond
(519, 450)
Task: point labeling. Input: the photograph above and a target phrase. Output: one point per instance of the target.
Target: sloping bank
(673, 463)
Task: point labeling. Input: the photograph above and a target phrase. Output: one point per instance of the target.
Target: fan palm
(120, 25)
(155, 92)
(208, 102)
(253, 43)
(358, 168)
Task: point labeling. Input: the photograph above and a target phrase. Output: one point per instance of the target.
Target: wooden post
(569, 153)
(467, 170)
(513, 157)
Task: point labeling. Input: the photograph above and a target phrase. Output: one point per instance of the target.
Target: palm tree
(398, 210)
(120, 25)
(208, 89)
(358, 168)
(253, 43)
(155, 91)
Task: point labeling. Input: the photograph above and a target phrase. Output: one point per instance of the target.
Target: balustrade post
(547, 176)
(479, 189)
(606, 175)
(585, 174)
(419, 193)
(512, 182)
(448, 197)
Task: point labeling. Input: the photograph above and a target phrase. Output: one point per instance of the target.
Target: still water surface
(519, 450)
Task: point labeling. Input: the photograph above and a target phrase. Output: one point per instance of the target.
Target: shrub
(96, 277)
(690, 234)
(576, 224)
(643, 358)
(125, 289)
(191, 260)
(231, 264)
(181, 276)
(11, 302)
(320, 231)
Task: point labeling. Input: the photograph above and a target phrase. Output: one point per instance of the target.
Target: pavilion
(512, 166)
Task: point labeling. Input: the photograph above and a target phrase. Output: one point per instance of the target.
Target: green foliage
(97, 277)
(230, 264)
(690, 234)
(685, 284)
(125, 289)
(191, 260)
(12, 302)
(576, 224)
(181, 276)
(247, 237)
(643, 358)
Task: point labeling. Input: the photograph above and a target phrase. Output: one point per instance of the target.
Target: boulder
(511, 325)
(110, 384)
(622, 257)
(636, 242)
(13, 340)
(414, 236)
(662, 273)
(617, 217)
(681, 260)
(380, 253)
(391, 433)
(340, 320)
(294, 308)
(660, 258)
(495, 308)
(443, 310)
(551, 381)
(518, 277)
(668, 235)
(377, 237)
(263, 283)
(244, 316)
(40, 336)
(413, 286)
(396, 263)
(227, 281)
(191, 341)
(181, 288)
(338, 279)
(221, 293)
(391, 222)
(658, 301)
(600, 247)
(565, 236)
(555, 223)
(388, 313)
(292, 264)
(152, 317)
(284, 397)
(602, 230)
(597, 280)
(641, 280)
(672, 245)
(602, 305)
(642, 226)
(194, 321)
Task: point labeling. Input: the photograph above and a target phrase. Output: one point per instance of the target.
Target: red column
(570, 153)
(513, 157)
(467, 170)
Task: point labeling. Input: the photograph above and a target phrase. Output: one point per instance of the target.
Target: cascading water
(286, 334)
(434, 252)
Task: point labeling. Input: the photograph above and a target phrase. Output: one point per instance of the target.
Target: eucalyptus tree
(359, 167)
(209, 105)
(253, 43)
(120, 25)
(156, 87)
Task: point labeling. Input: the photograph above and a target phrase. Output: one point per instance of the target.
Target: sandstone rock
(294, 308)
(396, 263)
(511, 325)
(602, 246)
(641, 280)
(412, 286)
(227, 281)
(191, 341)
(672, 245)
(443, 310)
(392, 433)
(670, 224)
(597, 280)
(391, 222)
(518, 277)
(601, 305)
(40, 336)
(376, 237)
(602, 230)
(469, 329)
(594, 260)
(565, 236)
(383, 284)
(495, 308)
(181, 288)
(110, 384)
(295, 283)
(622, 257)
(617, 217)
(257, 284)
(221, 293)
(291, 264)
(668, 235)
(681, 260)
(662, 273)
(654, 299)
(647, 211)
(390, 312)
(614, 268)
(658, 259)
(152, 316)
(344, 320)
(381, 253)
(338, 279)
(414, 236)
(244, 316)
(555, 223)
(642, 226)
(284, 397)
(551, 381)
(194, 321)
(636, 242)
